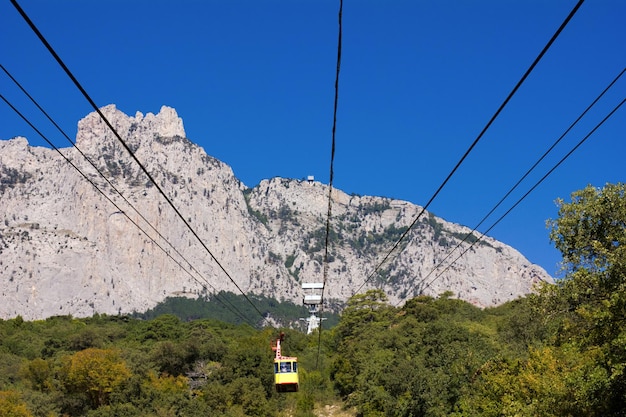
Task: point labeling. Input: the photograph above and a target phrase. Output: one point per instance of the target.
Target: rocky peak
(93, 131)
(166, 123)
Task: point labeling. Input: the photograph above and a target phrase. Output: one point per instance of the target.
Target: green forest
(560, 351)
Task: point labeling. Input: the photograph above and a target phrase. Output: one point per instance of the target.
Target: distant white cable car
(313, 293)
(312, 299)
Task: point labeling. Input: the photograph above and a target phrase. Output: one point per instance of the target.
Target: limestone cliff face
(67, 248)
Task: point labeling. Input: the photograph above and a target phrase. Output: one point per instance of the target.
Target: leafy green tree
(11, 405)
(39, 373)
(413, 361)
(590, 232)
(365, 318)
(250, 394)
(422, 308)
(210, 345)
(10, 366)
(165, 327)
(362, 311)
(168, 395)
(215, 395)
(87, 338)
(42, 404)
(97, 373)
(116, 410)
(173, 358)
(551, 382)
(250, 358)
(518, 327)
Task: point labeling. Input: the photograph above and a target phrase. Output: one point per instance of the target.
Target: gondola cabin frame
(285, 370)
(286, 374)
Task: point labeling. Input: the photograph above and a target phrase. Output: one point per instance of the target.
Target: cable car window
(275, 368)
(285, 367)
(295, 366)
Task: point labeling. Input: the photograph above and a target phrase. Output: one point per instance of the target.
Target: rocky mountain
(67, 247)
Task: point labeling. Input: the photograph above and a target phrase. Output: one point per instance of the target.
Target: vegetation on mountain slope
(560, 352)
(236, 309)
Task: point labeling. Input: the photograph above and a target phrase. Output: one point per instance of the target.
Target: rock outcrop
(105, 240)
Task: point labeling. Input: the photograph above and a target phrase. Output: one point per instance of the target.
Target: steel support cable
(571, 126)
(236, 312)
(532, 188)
(330, 181)
(119, 138)
(475, 142)
(32, 99)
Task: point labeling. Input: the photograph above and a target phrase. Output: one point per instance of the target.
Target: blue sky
(254, 84)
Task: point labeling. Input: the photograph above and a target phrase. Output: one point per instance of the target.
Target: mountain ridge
(65, 249)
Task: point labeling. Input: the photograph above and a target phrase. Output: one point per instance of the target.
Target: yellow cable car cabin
(286, 374)
(285, 370)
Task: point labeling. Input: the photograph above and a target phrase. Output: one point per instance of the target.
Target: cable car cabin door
(286, 374)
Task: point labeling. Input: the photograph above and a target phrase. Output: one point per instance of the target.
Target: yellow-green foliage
(95, 372)
(11, 405)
